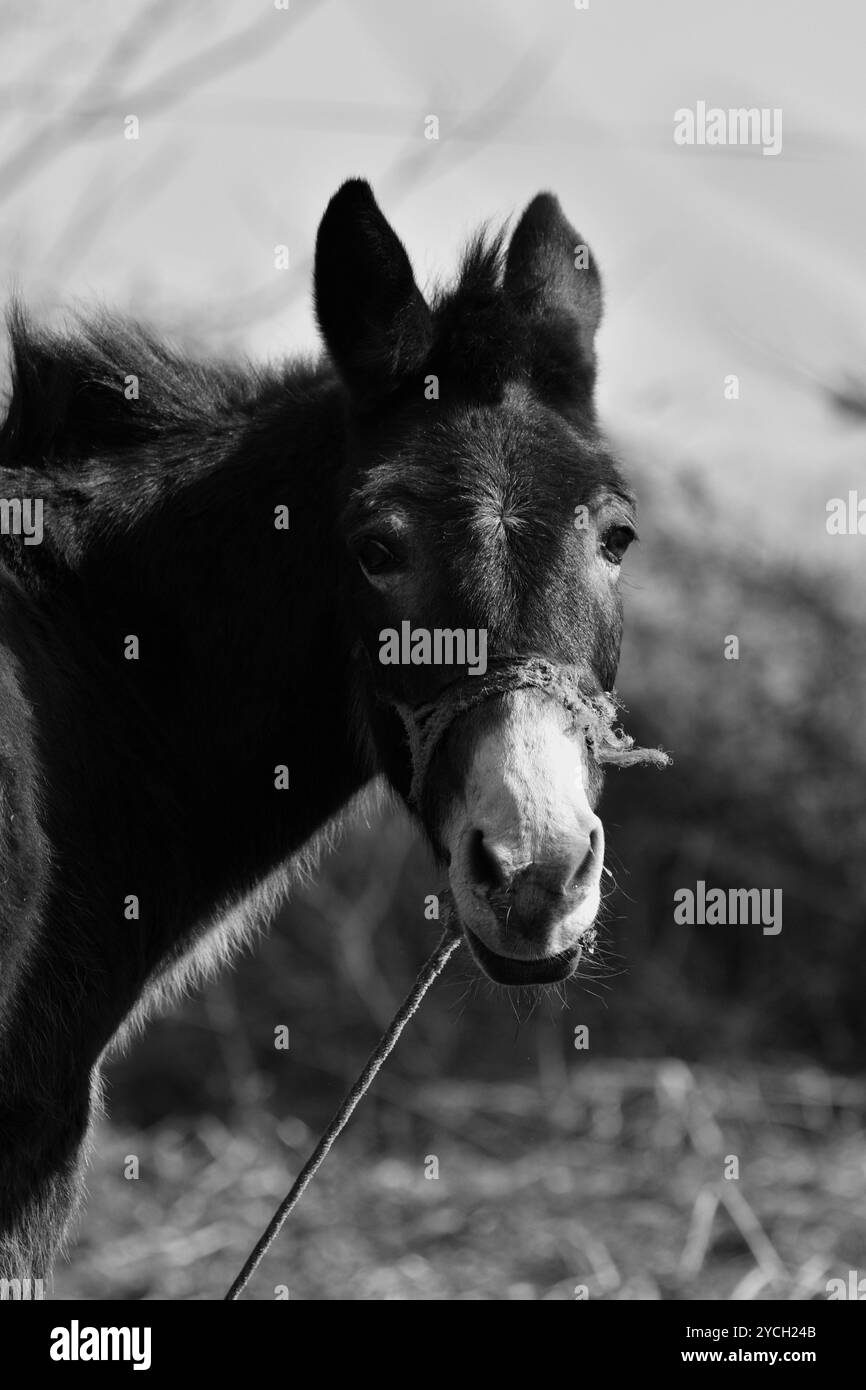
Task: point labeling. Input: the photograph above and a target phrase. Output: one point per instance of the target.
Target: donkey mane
(477, 338)
(68, 398)
(484, 338)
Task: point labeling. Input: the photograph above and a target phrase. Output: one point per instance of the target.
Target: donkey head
(484, 520)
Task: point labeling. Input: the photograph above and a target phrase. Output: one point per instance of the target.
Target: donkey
(191, 688)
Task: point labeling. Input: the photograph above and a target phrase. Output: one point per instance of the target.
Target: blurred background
(596, 1169)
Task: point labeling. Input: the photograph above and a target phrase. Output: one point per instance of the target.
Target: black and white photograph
(433, 667)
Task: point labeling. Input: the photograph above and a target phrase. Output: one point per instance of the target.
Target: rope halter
(592, 715)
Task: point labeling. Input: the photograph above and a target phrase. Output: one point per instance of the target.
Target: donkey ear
(371, 313)
(553, 280)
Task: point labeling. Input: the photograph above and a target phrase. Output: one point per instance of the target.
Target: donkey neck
(225, 727)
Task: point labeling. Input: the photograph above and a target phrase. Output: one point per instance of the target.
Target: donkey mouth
(505, 970)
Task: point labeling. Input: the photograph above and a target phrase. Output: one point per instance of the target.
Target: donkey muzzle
(526, 848)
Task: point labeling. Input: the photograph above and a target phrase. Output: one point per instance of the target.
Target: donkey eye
(375, 558)
(616, 542)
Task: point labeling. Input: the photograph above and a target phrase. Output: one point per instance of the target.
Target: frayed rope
(593, 714)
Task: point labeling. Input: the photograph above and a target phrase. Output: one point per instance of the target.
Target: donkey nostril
(594, 851)
(488, 871)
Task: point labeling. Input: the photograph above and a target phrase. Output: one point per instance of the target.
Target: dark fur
(258, 647)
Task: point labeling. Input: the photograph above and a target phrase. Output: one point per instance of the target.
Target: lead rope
(429, 972)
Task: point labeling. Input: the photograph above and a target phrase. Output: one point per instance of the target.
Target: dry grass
(614, 1182)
